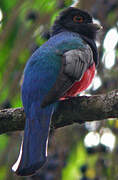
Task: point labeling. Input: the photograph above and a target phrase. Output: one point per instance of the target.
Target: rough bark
(75, 110)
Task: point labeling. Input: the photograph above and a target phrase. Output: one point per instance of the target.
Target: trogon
(61, 68)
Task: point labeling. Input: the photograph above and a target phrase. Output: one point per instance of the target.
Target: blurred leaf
(76, 159)
(3, 141)
(111, 18)
(91, 173)
(68, 2)
(7, 5)
(4, 94)
(54, 17)
(3, 172)
(23, 56)
(111, 122)
(16, 102)
(116, 124)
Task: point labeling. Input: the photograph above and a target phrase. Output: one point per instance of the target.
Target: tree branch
(75, 110)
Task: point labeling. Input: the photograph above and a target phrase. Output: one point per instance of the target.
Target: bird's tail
(33, 150)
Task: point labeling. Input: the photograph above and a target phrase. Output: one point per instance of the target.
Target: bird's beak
(97, 27)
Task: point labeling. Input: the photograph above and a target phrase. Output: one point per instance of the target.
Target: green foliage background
(22, 29)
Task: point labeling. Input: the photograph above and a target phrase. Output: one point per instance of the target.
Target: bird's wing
(74, 64)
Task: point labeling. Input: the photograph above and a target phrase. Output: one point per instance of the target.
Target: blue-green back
(44, 65)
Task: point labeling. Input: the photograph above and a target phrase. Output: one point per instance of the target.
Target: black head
(75, 20)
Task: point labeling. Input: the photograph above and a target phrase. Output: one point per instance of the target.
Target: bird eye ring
(78, 19)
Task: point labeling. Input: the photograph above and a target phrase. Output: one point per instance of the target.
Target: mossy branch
(75, 110)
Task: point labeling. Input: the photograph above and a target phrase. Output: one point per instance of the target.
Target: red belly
(81, 85)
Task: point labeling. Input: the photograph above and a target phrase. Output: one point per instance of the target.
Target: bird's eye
(78, 19)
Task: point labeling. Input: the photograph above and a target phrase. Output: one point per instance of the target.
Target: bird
(61, 68)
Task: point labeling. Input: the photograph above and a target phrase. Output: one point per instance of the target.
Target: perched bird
(61, 68)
